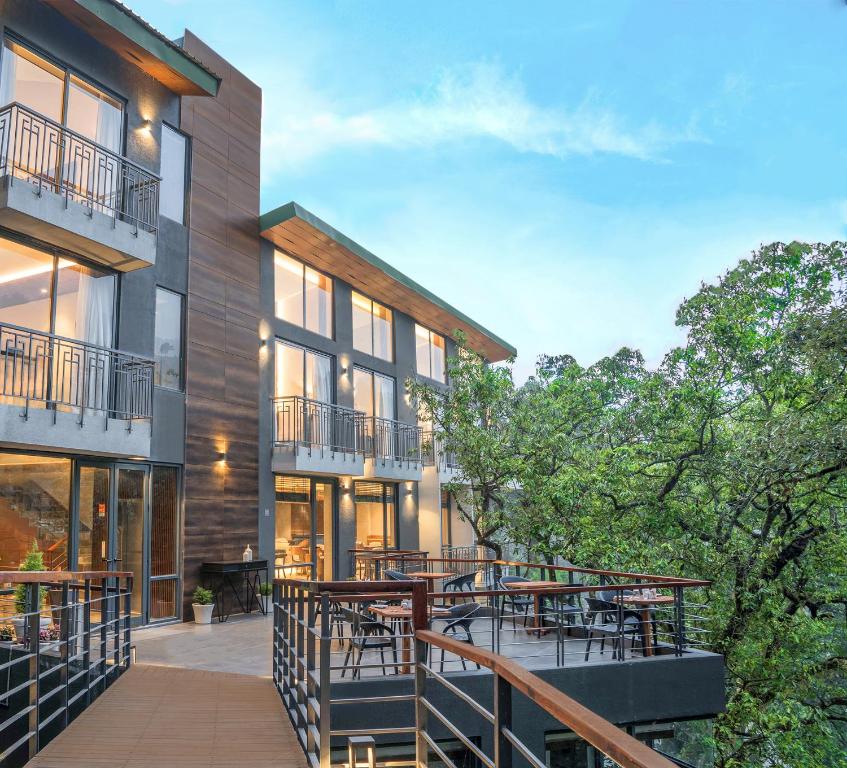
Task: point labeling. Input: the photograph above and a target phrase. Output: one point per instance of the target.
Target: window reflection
(167, 346)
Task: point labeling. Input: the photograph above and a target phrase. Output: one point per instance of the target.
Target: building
(343, 462)
(158, 409)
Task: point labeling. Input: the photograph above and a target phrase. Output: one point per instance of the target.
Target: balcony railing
(66, 638)
(299, 421)
(53, 157)
(434, 454)
(392, 440)
(65, 374)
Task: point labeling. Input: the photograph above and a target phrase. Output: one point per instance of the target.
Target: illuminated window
(373, 393)
(302, 295)
(303, 373)
(372, 327)
(431, 354)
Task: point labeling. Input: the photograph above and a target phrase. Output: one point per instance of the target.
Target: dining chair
(613, 622)
(367, 634)
(517, 601)
(458, 626)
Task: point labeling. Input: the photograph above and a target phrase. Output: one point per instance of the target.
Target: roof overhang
(132, 38)
(306, 237)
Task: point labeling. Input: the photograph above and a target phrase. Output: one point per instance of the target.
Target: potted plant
(7, 633)
(34, 561)
(265, 592)
(203, 605)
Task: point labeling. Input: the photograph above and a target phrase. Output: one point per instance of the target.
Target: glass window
(168, 341)
(430, 354)
(302, 295)
(373, 393)
(35, 496)
(94, 114)
(174, 174)
(372, 323)
(301, 372)
(26, 280)
(446, 528)
(85, 303)
(376, 515)
(32, 81)
(164, 528)
(303, 506)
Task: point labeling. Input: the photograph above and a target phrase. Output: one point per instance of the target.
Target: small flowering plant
(49, 634)
(7, 633)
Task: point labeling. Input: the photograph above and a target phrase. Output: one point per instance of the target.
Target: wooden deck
(168, 717)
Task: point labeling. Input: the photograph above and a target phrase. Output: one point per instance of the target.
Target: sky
(565, 173)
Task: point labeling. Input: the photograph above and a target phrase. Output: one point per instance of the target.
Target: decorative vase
(203, 613)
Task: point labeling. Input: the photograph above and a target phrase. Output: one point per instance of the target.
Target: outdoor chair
(524, 602)
(458, 626)
(461, 583)
(606, 619)
(367, 634)
(392, 575)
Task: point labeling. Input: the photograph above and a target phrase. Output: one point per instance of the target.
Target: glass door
(94, 484)
(128, 543)
(303, 525)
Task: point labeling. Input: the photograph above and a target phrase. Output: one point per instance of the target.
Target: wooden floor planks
(168, 717)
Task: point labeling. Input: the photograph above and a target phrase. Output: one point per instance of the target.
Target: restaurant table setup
(402, 614)
(644, 601)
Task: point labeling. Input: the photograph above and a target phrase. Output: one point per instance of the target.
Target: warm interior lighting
(146, 127)
(221, 457)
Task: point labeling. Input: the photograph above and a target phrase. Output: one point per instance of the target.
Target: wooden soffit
(303, 235)
(133, 39)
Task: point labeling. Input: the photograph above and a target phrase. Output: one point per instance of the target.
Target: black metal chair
(392, 575)
(458, 625)
(517, 601)
(367, 634)
(613, 622)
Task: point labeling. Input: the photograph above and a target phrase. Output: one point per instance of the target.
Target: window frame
(68, 70)
(330, 278)
(374, 303)
(430, 334)
(373, 374)
(307, 350)
(389, 495)
(182, 330)
(186, 186)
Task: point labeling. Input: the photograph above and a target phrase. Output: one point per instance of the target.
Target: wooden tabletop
(641, 600)
(428, 575)
(399, 612)
(532, 584)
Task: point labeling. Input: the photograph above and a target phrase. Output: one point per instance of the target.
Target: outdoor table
(404, 616)
(429, 577)
(225, 574)
(644, 604)
(536, 620)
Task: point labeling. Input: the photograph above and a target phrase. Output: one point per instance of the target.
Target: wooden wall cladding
(222, 365)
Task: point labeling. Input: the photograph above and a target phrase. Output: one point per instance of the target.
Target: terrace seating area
(542, 616)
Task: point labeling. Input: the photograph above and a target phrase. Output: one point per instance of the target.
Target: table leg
(647, 630)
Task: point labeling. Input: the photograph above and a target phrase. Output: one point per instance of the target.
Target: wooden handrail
(589, 726)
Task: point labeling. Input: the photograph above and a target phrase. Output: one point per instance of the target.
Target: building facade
(179, 377)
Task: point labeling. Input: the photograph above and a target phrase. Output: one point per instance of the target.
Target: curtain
(384, 396)
(95, 305)
(108, 135)
(319, 377)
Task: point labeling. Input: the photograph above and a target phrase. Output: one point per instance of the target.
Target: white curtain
(7, 82)
(319, 377)
(95, 305)
(384, 396)
(109, 136)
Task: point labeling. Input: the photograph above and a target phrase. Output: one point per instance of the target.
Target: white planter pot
(203, 613)
(266, 603)
(20, 626)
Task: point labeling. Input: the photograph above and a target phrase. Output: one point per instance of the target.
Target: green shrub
(203, 596)
(34, 561)
(266, 590)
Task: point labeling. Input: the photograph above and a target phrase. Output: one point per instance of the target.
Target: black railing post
(86, 639)
(325, 692)
(65, 651)
(502, 720)
(679, 609)
(33, 625)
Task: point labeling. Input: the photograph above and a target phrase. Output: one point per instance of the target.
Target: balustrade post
(33, 627)
(325, 693)
(86, 639)
(502, 719)
(64, 651)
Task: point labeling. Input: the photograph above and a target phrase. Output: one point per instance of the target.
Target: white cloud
(476, 102)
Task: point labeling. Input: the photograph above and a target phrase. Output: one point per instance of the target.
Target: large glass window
(372, 325)
(35, 505)
(303, 525)
(373, 393)
(376, 515)
(32, 81)
(174, 174)
(302, 372)
(52, 294)
(302, 295)
(167, 350)
(164, 527)
(430, 354)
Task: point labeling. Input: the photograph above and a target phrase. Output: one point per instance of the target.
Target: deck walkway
(170, 717)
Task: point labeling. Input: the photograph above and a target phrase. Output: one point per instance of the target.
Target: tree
(474, 419)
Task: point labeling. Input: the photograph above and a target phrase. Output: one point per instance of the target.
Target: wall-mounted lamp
(345, 485)
(263, 344)
(146, 127)
(345, 368)
(221, 456)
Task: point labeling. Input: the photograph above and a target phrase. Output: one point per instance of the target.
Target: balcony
(64, 189)
(58, 393)
(316, 438)
(434, 455)
(393, 450)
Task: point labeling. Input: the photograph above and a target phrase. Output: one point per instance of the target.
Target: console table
(240, 579)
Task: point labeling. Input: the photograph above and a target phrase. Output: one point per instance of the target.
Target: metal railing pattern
(66, 374)
(434, 454)
(50, 156)
(300, 421)
(390, 440)
(61, 657)
(314, 646)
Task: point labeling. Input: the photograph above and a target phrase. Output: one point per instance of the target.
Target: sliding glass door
(304, 525)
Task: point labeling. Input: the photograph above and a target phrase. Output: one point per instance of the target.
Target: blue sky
(563, 172)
